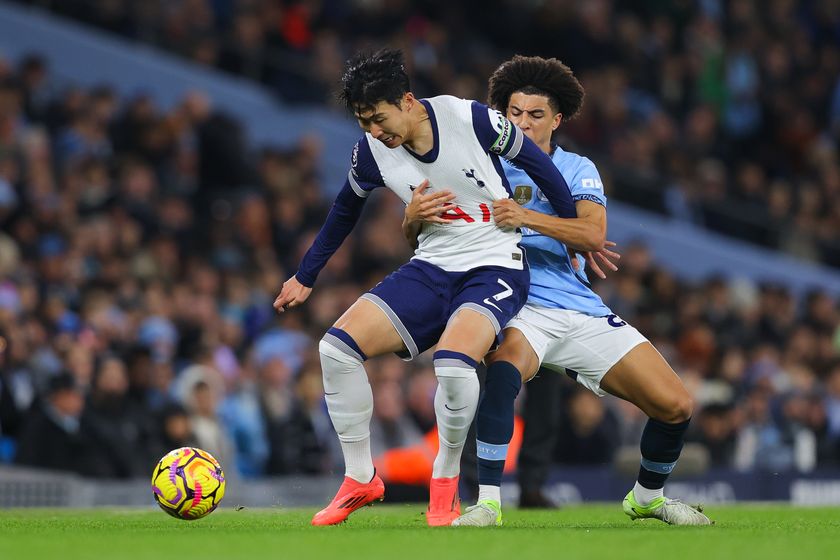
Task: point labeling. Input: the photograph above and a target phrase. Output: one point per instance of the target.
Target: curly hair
(534, 75)
(369, 78)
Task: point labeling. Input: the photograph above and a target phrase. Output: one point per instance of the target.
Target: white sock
(644, 496)
(488, 492)
(350, 404)
(456, 400)
(357, 460)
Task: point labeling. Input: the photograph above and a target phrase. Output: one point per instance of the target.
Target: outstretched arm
(364, 176)
(340, 221)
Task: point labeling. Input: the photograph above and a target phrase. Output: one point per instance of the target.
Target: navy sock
(661, 446)
(494, 421)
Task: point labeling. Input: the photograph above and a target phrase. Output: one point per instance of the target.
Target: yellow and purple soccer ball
(188, 483)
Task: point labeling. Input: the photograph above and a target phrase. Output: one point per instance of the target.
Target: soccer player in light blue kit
(564, 325)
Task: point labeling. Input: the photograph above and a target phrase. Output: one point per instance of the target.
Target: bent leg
(466, 339)
(609, 356)
(516, 350)
(644, 378)
(371, 328)
(464, 343)
(484, 303)
(508, 366)
(362, 331)
(516, 360)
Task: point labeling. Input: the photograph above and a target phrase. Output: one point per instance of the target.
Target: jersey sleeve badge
(522, 194)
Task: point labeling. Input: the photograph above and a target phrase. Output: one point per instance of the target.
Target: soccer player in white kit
(466, 280)
(564, 325)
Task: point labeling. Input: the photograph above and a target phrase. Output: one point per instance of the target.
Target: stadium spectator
(52, 437)
(590, 435)
(201, 391)
(716, 432)
(121, 433)
(174, 429)
(391, 426)
(293, 443)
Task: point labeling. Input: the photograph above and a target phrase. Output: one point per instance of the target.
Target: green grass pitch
(400, 533)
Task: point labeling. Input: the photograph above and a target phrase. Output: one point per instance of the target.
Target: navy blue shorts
(420, 298)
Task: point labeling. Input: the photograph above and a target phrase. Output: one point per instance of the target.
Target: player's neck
(546, 147)
(421, 139)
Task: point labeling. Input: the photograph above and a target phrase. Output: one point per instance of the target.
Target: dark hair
(63, 381)
(172, 409)
(534, 75)
(371, 78)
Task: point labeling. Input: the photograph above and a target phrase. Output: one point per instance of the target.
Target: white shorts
(581, 346)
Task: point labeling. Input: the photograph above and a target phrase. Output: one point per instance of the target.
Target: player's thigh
(413, 303)
(484, 300)
(644, 378)
(530, 336)
(469, 332)
(586, 347)
(371, 328)
(517, 350)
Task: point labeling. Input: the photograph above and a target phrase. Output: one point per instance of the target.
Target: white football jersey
(462, 164)
(469, 139)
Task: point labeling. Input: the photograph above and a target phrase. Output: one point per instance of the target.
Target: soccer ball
(188, 483)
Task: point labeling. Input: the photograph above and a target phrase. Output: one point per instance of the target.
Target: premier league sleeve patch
(522, 194)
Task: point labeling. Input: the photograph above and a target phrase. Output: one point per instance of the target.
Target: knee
(329, 352)
(455, 387)
(338, 345)
(518, 359)
(679, 409)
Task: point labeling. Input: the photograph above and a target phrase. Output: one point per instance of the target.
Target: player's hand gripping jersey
(469, 140)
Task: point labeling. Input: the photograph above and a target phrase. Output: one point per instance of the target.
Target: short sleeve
(587, 184)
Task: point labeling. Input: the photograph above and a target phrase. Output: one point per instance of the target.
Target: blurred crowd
(141, 250)
(722, 113)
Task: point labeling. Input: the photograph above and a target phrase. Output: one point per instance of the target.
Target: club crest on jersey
(470, 173)
(522, 194)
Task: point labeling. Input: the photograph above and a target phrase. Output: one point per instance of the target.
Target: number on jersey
(458, 213)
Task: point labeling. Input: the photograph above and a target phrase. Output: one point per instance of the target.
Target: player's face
(386, 122)
(534, 115)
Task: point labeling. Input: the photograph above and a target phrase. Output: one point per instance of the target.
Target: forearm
(338, 225)
(575, 233)
(326, 244)
(411, 230)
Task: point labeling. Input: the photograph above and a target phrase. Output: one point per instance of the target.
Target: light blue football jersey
(554, 282)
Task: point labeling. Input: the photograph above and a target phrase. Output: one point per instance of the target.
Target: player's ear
(407, 101)
(558, 118)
